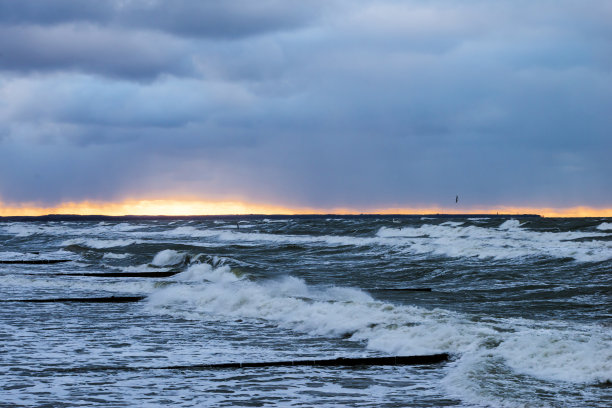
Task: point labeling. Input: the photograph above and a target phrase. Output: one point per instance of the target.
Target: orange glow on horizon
(146, 207)
(195, 207)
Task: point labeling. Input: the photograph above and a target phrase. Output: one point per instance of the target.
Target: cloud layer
(340, 103)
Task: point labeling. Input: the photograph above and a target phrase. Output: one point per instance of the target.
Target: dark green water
(522, 304)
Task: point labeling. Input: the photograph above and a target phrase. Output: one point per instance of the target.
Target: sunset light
(195, 207)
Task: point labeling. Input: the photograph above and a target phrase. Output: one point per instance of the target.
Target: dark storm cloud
(135, 39)
(114, 53)
(361, 103)
(45, 12)
(199, 18)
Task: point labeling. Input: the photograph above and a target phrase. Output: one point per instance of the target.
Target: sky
(306, 105)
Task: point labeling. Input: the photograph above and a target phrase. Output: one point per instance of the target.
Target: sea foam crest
(112, 255)
(28, 229)
(20, 229)
(168, 257)
(510, 224)
(63, 288)
(576, 356)
(507, 241)
(605, 226)
(256, 237)
(100, 243)
(541, 350)
(12, 255)
(203, 272)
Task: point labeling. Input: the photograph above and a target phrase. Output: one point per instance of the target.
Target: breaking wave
(546, 351)
(112, 255)
(507, 241)
(169, 257)
(453, 239)
(605, 226)
(100, 243)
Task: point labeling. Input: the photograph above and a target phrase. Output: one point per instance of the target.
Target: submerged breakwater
(521, 304)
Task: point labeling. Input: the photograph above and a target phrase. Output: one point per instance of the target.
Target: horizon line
(301, 215)
(190, 207)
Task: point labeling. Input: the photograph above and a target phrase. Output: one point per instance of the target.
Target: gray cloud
(136, 39)
(59, 11)
(367, 104)
(86, 48)
(198, 18)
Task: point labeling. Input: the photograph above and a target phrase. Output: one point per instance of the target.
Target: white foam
(510, 224)
(136, 286)
(506, 242)
(531, 352)
(510, 240)
(168, 257)
(12, 255)
(561, 355)
(605, 226)
(550, 351)
(452, 223)
(192, 232)
(139, 268)
(21, 230)
(63, 229)
(28, 229)
(125, 227)
(100, 243)
(238, 226)
(111, 255)
(246, 237)
(205, 272)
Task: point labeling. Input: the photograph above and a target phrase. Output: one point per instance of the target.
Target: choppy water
(522, 304)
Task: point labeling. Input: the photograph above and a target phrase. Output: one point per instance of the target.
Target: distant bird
(456, 199)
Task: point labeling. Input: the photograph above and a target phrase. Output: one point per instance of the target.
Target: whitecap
(510, 224)
(13, 256)
(548, 351)
(100, 243)
(560, 355)
(139, 268)
(605, 226)
(168, 257)
(452, 223)
(205, 272)
(506, 242)
(112, 255)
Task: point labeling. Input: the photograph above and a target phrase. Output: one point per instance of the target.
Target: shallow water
(522, 304)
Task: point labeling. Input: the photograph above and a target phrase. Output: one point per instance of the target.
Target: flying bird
(456, 199)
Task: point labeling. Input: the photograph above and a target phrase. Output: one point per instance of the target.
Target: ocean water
(522, 304)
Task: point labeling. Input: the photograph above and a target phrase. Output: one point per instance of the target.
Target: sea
(521, 304)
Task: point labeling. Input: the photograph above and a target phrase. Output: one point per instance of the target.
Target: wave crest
(537, 349)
